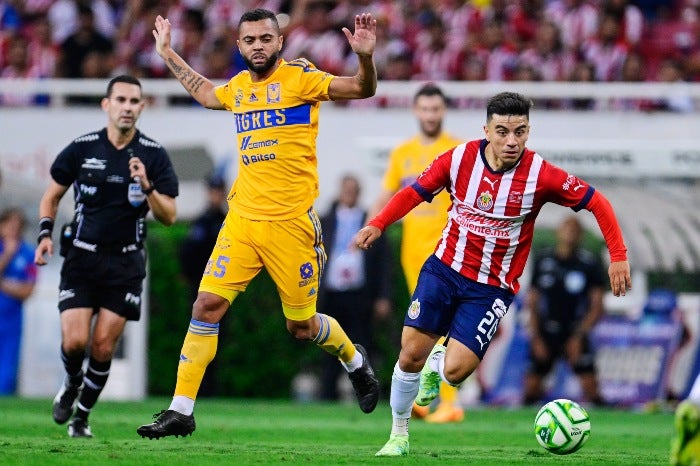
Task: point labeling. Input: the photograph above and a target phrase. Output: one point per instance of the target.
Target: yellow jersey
(422, 226)
(276, 126)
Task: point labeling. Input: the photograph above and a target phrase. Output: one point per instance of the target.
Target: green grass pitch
(240, 432)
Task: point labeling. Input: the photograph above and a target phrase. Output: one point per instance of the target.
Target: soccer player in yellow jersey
(422, 227)
(271, 221)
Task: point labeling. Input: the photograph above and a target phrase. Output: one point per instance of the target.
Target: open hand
(365, 37)
(162, 34)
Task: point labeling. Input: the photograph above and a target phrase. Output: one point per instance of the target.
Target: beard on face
(265, 67)
(431, 131)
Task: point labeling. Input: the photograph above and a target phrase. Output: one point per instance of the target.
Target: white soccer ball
(562, 426)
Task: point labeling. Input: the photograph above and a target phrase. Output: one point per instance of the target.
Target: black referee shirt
(109, 206)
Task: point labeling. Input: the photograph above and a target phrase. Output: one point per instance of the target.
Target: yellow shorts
(290, 250)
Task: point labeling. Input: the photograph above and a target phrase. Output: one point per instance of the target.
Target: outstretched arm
(197, 85)
(364, 83)
(619, 269)
(399, 205)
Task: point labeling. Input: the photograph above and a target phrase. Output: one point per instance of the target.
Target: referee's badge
(136, 196)
(414, 310)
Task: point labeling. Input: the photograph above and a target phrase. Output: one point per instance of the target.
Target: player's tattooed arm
(191, 80)
(199, 87)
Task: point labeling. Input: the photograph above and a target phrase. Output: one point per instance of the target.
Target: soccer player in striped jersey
(422, 226)
(497, 187)
(271, 222)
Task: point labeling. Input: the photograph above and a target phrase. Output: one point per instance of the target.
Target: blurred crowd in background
(472, 40)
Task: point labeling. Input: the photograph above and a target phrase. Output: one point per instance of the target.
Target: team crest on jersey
(484, 201)
(239, 97)
(414, 309)
(273, 93)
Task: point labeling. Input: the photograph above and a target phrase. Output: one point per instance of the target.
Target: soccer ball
(562, 426)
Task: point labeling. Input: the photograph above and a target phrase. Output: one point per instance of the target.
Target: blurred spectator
(577, 20)
(19, 66)
(84, 41)
(64, 16)
(446, 39)
(606, 52)
(43, 52)
(17, 279)
(525, 20)
(633, 70)
(672, 72)
(314, 37)
(461, 19)
(355, 287)
(582, 72)
(433, 58)
(498, 53)
(629, 17)
(547, 54)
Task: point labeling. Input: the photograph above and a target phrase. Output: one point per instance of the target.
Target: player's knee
(102, 350)
(410, 361)
(300, 329)
(456, 375)
(209, 307)
(75, 344)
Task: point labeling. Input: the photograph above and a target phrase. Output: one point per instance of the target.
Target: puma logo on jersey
(491, 183)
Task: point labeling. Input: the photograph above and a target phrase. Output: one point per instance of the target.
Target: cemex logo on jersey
(246, 144)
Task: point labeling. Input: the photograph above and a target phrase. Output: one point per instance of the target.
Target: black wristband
(45, 228)
(149, 190)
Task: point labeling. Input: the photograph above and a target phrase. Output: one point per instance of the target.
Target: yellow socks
(332, 338)
(197, 352)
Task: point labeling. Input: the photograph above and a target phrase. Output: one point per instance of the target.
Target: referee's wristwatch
(150, 188)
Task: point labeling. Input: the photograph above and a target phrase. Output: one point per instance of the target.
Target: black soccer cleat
(168, 422)
(365, 383)
(64, 402)
(79, 428)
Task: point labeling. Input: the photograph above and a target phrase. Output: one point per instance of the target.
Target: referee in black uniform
(118, 174)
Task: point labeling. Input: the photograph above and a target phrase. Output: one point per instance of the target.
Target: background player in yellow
(423, 226)
(271, 222)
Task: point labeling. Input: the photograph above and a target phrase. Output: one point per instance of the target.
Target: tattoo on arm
(192, 81)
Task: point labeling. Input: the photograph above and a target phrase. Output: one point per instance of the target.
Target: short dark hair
(259, 14)
(10, 212)
(508, 103)
(122, 78)
(429, 90)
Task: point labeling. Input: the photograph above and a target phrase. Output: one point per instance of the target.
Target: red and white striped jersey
(489, 229)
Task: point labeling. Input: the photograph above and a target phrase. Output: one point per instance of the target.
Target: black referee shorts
(112, 281)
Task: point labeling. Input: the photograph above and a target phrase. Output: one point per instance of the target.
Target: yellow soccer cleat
(396, 446)
(445, 413)
(685, 448)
